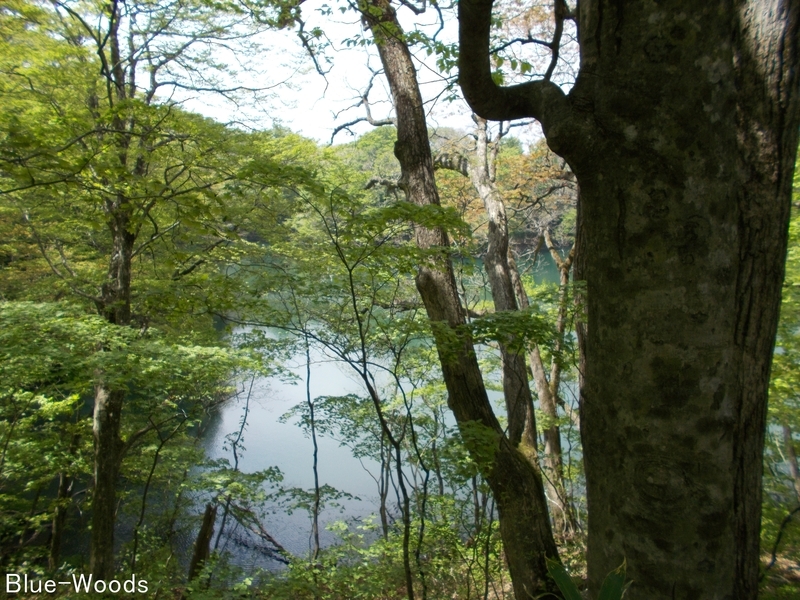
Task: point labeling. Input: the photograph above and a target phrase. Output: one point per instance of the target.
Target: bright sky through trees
(311, 104)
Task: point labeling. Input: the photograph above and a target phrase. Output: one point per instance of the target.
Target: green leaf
(614, 584)
(563, 580)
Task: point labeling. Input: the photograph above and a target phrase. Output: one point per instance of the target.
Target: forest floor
(782, 580)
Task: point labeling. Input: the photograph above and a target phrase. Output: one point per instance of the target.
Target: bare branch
(389, 184)
(519, 40)
(306, 40)
(560, 263)
(157, 234)
(560, 10)
(784, 523)
(417, 10)
(364, 101)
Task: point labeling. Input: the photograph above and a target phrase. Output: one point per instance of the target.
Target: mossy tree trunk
(682, 131)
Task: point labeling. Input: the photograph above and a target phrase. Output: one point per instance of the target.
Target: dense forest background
(154, 263)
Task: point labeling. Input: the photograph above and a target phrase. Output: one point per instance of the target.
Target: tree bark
(115, 306)
(202, 545)
(516, 387)
(107, 460)
(562, 511)
(682, 131)
(508, 294)
(517, 486)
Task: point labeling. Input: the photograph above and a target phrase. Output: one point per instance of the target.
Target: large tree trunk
(115, 306)
(517, 486)
(682, 132)
(107, 461)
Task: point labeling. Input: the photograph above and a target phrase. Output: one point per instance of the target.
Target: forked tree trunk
(516, 387)
(509, 294)
(115, 306)
(682, 132)
(517, 486)
(562, 511)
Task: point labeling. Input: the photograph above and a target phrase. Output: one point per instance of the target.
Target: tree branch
(561, 264)
(452, 162)
(540, 99)
(784, 523)
(389, 184)
(364, 101)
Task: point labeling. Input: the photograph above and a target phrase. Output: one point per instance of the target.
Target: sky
(312, 105)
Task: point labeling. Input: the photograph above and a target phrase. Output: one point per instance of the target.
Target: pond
(269, 441)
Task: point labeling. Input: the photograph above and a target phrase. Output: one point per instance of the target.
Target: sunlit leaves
(51, 357)
(783, 425)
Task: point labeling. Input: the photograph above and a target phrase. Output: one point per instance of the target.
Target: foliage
(780, 530)
(613, 587)
(50, 360)
(369, 566)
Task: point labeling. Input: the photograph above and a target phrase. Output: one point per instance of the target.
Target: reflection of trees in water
(249, 533)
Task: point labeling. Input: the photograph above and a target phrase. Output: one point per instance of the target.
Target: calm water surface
(268, 442)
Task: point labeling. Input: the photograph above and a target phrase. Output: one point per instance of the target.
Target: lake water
(267, 442)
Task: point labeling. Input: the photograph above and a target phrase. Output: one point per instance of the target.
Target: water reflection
(269, 442)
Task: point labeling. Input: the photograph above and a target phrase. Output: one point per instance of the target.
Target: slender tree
(509, 294)
(516, 484)
(516, 387)
(114, 152)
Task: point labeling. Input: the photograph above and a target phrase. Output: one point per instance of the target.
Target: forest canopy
(572, 357)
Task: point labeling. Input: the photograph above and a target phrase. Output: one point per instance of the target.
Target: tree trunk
(552, 435)
(59, 519)
(65, 483)
(502, 274)
(517, 486)
(202, 545)
(562, 511)
(516, 388)
(791, 459)
(115, 306)
(107, 461)
(682, 132)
